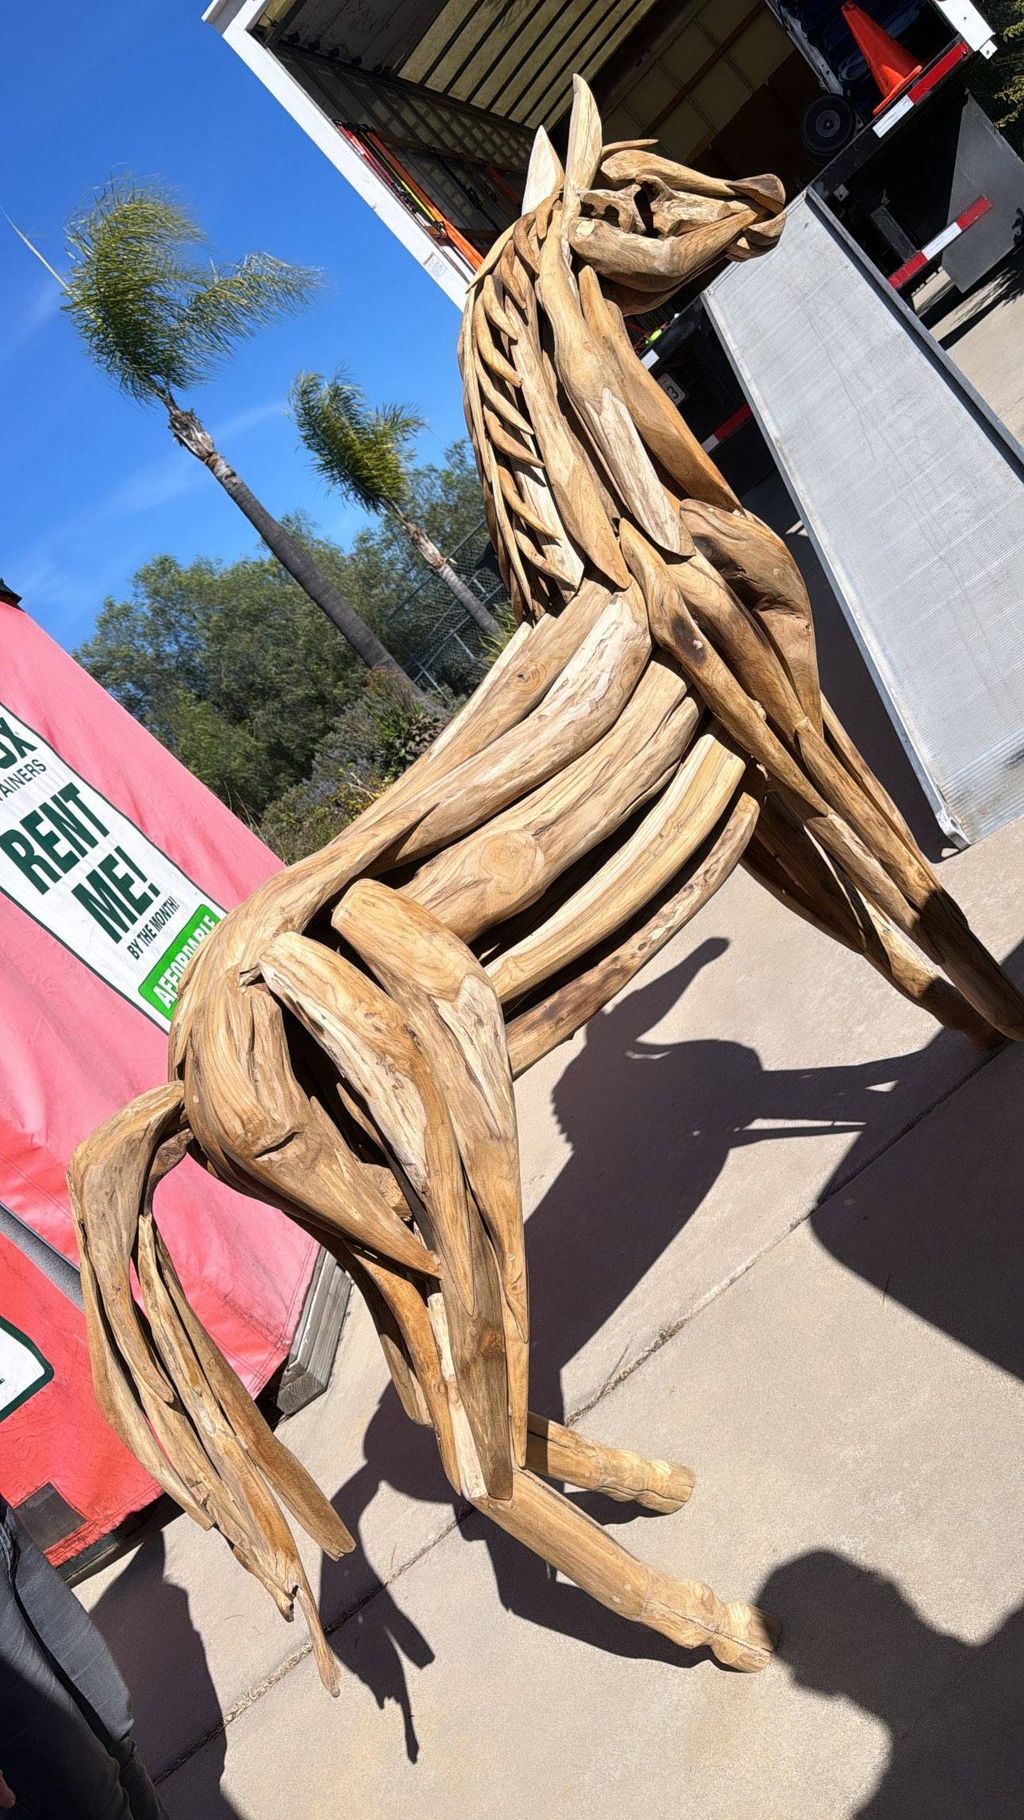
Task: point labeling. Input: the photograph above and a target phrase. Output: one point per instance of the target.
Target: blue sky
(91, 485)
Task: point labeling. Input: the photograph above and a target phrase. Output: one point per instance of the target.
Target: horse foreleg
(560, 1453)
(686, 1611)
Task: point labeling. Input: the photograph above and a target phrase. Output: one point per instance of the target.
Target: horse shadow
(947, 1241)
(951, 1708)
(678, 1110)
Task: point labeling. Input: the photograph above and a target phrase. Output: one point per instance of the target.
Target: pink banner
(114, 864)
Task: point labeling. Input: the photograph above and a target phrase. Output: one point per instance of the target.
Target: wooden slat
(346, 1040)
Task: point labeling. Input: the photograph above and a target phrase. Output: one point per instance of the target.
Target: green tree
(376, 738)
(228, 666)
(998, 82)
(158, 322)
(364, 452)
(394, 590)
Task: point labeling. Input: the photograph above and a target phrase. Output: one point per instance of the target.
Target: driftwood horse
(346, 1041)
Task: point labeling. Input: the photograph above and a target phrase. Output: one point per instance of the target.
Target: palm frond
(34, 250)
(358, 449)
(233, 304)
(399, 422)
(151, 316)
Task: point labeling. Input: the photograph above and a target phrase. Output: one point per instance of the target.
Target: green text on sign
(160, 986)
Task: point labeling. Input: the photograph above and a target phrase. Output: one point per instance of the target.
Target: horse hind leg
(787, 862)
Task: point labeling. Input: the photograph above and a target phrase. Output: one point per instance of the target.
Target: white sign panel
(87, 874)
(23, 1370)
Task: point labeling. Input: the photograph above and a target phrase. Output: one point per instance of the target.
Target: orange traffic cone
(891, 66)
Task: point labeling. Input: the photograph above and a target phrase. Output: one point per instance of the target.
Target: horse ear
(545, 173)
(583, 154)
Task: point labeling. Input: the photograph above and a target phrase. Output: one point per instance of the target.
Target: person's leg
(66, 1744)
(143, 1800)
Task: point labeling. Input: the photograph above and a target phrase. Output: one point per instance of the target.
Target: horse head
(645, 224)
(571, 434)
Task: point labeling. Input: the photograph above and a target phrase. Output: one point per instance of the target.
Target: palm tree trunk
(301, 566)
(448, 573)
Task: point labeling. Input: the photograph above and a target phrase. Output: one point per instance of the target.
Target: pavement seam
(573, 1415)
(256, 1693)
(669, 1333)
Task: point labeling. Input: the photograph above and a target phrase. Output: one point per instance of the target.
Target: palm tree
(157, 321)
(364, 452)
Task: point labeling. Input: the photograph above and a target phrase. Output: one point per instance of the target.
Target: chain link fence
(451, 649)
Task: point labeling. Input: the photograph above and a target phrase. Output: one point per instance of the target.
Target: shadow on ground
(952, 1709)
(171, 1632)
(962, 314)
(944, 1236)
(949, 1243)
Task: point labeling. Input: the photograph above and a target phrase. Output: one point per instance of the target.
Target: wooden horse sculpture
(346, 1041)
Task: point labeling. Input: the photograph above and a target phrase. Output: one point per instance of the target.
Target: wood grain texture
(555, 1452)
(345, 1042)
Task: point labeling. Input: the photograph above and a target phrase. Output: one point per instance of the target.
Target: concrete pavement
(774, 1232)
(981, 333)
(856, 1467)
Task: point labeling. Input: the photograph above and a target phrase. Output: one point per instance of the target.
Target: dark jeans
(66, 1745)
